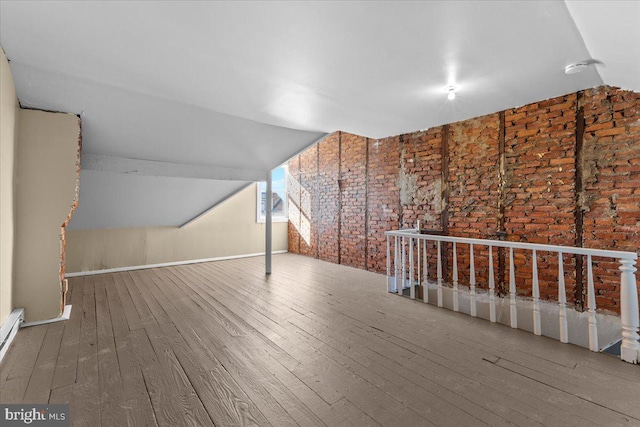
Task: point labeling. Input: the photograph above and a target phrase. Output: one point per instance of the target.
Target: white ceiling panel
(248, 84)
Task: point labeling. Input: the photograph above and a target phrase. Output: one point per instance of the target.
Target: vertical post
(268, 204)
(492, 288)
(403, 258)
(536, 295)
(456, 305)
(591, 308)
(439, 275)
(579, 193)
(512, 292)
(562, 302)
(425, 290)
(472, 283)
(388, 264)
(630, 350)
(412, 288)
(396, 262)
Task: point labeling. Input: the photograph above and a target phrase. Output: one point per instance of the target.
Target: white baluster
(536, 295)
(630, 350)
(591, 308)
(456, 305)
(396, 261)
(399, 265)
(472, 283)
(418, 271)
(388, 265)
(439, 276)
(562, 301)
(492, 288)
(512, 292)
(412, 288)
(402, 267)
(425, 272)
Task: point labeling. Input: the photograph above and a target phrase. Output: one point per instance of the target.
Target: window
(279, 191)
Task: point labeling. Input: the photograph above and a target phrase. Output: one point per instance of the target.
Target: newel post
(630, 350)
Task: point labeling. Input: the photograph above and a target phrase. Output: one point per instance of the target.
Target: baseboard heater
(9, 329)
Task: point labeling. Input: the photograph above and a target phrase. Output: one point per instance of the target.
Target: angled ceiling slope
(243, 86)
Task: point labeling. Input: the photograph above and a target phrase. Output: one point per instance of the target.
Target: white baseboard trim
(165, 264)
(9, 330)
(66, 313)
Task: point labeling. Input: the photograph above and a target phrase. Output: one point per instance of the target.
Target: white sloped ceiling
(243, 86)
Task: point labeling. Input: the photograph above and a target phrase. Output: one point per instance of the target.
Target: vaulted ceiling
(183, 103)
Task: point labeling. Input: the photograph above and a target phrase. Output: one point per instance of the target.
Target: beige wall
(48, 154)
(9, 112)
(230, 229)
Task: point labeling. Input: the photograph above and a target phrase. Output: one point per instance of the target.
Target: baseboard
(9, 329)
(66, 313)
(165, 264)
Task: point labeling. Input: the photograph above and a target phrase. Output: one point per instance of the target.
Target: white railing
(408, 265)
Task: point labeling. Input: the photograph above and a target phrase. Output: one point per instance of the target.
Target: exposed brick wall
(366, 187)
(353, 207)
(473, 190)
(309, 202)
(611, 175)
(384, 209)
(540, 188)
(293, 192)
(328, 189)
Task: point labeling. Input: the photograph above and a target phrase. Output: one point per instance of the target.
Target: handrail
(404, 269)
(518, 245)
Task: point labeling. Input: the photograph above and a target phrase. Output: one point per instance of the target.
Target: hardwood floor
(313, 344)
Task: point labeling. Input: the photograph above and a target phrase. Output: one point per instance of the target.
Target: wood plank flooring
(314, 344)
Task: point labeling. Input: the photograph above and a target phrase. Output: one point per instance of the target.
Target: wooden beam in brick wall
(579, 213)
(501, 232)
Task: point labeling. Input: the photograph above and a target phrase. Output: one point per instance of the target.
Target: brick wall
(556, 185)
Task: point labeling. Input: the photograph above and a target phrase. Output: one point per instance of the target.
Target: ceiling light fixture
(451, 93)
(576, 68)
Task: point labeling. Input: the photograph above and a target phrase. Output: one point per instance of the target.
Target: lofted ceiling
(233, 89)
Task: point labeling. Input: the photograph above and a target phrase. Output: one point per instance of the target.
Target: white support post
(418, 272)
(388, 264)
(562, 302)
(403, 263)
(536, 295)
(439, 275)
(591, 308)
(630, 350)
(456, 304)
(396, 262)
(425, 287)
(492, 288)
(512, 292)
(268, 205)
(412, 288)
(472, 283)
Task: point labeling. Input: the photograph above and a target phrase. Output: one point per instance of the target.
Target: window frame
(260, 218)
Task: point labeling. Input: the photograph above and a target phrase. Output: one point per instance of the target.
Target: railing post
(562, 302)
(403, 280)
(388, 264)
(492, 288)
(425, 266)
(412, 288)
(536, 295)
(591, 308)
(630, 349)
(472, 283)
(513, 308)
(456, 304)
(439, 275)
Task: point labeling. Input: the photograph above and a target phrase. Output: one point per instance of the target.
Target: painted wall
(230, 229)
(550, 189)
(9, 113)
(48, 156)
